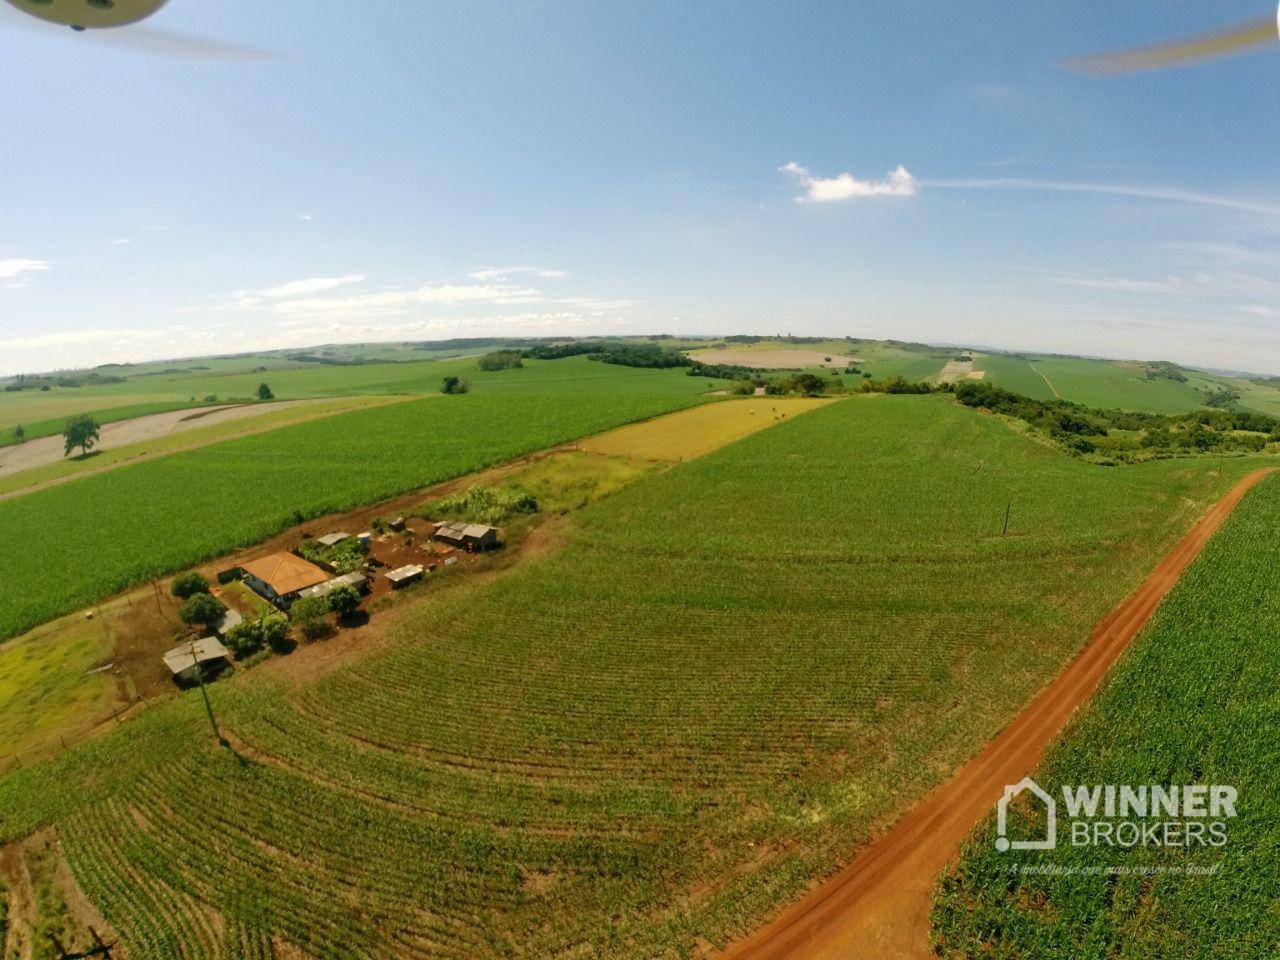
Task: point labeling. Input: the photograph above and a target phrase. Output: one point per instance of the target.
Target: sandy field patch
(774, 359)
(976, 375)
(956, 370)
(45, 450)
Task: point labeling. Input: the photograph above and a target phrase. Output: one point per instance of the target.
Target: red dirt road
(877, 907)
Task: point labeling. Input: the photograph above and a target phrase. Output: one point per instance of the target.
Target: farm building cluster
(401, 551)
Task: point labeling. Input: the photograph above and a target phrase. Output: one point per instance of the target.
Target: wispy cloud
(17, 267)
(391, 302)
(500, 274)
(302, 288)
(1135, 191)
(845, 186)
(121, 242)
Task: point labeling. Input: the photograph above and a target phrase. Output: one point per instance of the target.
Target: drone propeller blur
(116, 23)
(1251, 37)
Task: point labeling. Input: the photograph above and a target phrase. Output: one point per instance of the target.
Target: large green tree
(81, 431)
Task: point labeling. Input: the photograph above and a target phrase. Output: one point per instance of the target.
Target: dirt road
(43, 450)
(877, 907)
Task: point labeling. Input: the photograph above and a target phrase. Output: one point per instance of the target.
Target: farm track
(878, 905)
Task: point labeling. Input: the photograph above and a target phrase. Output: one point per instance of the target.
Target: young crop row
(732, 672)
(74, 544)
(1194, 702)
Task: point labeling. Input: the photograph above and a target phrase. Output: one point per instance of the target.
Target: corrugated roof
(285, 574)
(332, 539)
(405, 573)
(185, 656)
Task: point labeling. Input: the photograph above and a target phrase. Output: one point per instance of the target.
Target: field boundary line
(1048, 382)
(878, 904)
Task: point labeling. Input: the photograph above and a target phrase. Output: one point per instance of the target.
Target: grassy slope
(732, 673)
(99, 534)
(1014, 373)
(1194, 701)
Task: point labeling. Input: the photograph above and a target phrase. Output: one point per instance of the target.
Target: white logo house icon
(1003, 843)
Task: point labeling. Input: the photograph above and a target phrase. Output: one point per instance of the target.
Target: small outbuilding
(186, 659)
(230, 620)
(469, 536)
(404, 575)
(357, 580)
(281, 577)
(332, 539)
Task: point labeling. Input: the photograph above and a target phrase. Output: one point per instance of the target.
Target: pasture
(1193, 701)
(733, 671)
(104, 532)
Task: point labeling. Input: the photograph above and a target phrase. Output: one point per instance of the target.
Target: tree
(344, 600)
(454, 385)
(19, 434)
(83, 432)
(275, 633)
(187, 585)
(264, 392)
(309, 615)
(244, 639)
(203, 609)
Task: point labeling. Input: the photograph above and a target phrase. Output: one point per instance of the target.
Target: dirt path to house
(45, 450)
(877, 907)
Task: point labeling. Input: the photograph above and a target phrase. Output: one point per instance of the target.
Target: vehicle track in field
(877, 907)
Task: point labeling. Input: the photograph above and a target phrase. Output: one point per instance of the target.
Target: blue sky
(419, 170)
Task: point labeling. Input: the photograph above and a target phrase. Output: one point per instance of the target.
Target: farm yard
(146, 520)
(1192, 702)
(648, 739)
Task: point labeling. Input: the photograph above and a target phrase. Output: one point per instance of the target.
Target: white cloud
(307, 217)
(122, 242)
(301, 288)
(500, 274)
(12, 268)
(845, 186)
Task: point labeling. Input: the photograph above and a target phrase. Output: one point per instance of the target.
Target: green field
(1194, 701)
(732, 673)
(99, 534)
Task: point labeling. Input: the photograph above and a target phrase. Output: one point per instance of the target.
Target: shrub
(344, 600)
(275, 633)
(187, 585)
(309, 615)
(489, 505)
(203, 609)
(264, 392)
(245, 639)
(454, 385)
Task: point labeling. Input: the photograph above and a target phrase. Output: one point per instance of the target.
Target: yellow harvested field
(692, 433)
(773, 359)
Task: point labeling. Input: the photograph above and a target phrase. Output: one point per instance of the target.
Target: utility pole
(1007, 511)
(208, 707)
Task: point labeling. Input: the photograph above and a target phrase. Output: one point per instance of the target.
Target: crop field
(695, 432)
(104, 532)
(108, 456)
(733, 671)
(1194, 701)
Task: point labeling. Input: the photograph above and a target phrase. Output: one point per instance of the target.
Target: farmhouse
(332, 539)
(471, 536)
(184, 660)
(357, 580)
(406, 574)
(281, 577)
